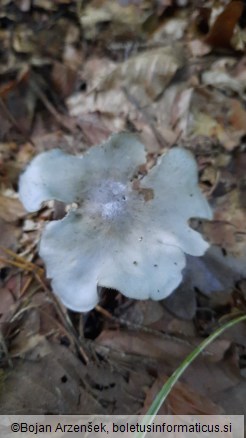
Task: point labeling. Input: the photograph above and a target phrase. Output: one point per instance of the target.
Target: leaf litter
(175, 74)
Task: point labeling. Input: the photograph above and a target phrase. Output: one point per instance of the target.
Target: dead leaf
(222, 30)
(28, 337)
(173, 28)
(55, 376)
(63, 79)
(120, 20)
(145, 75)
(233, 399)
(11, 209)
(237, 116)
(168, 349)
(208, 379)
(23, 39)
(66, 386)
(181, 111)
(143, 313)
(181, 401)
(211, 116)
(214, 272)
(198, 47)
(182, 302)
(181, 328)
(230, 210)
(27, 346)
(7, 304)
(222, 80)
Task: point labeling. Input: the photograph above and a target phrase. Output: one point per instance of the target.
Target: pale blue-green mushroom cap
(119, 237)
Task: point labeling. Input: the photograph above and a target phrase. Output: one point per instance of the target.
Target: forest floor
(71, 73)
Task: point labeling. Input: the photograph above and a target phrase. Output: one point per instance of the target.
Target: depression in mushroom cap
(122, 235)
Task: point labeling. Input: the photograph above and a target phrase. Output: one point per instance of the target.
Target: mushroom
(124, 235)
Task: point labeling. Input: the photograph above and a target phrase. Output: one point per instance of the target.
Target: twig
(20, 262)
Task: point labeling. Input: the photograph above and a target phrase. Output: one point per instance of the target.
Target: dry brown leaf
(230, 217)
(182, 302)
(233, 399)
(134, 343)
(181, 328)
(121, 20)
(63, 79)
(23, 39)
(209, 379)
(97, 127)
(198, 48)
(220, 79)
(27, 345)
(145, 75)
(173, 28)
(143, 312)
(28, 337)
(66, 386)
(215, 273)
(181, 111)
(237, 116)
(131, 84)
(237, 335)
(181, 401)
(11, 209)
(211, 116)
(113, 103)
(169, 350)
(7, 304)
(53, 373)
(222, 30)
